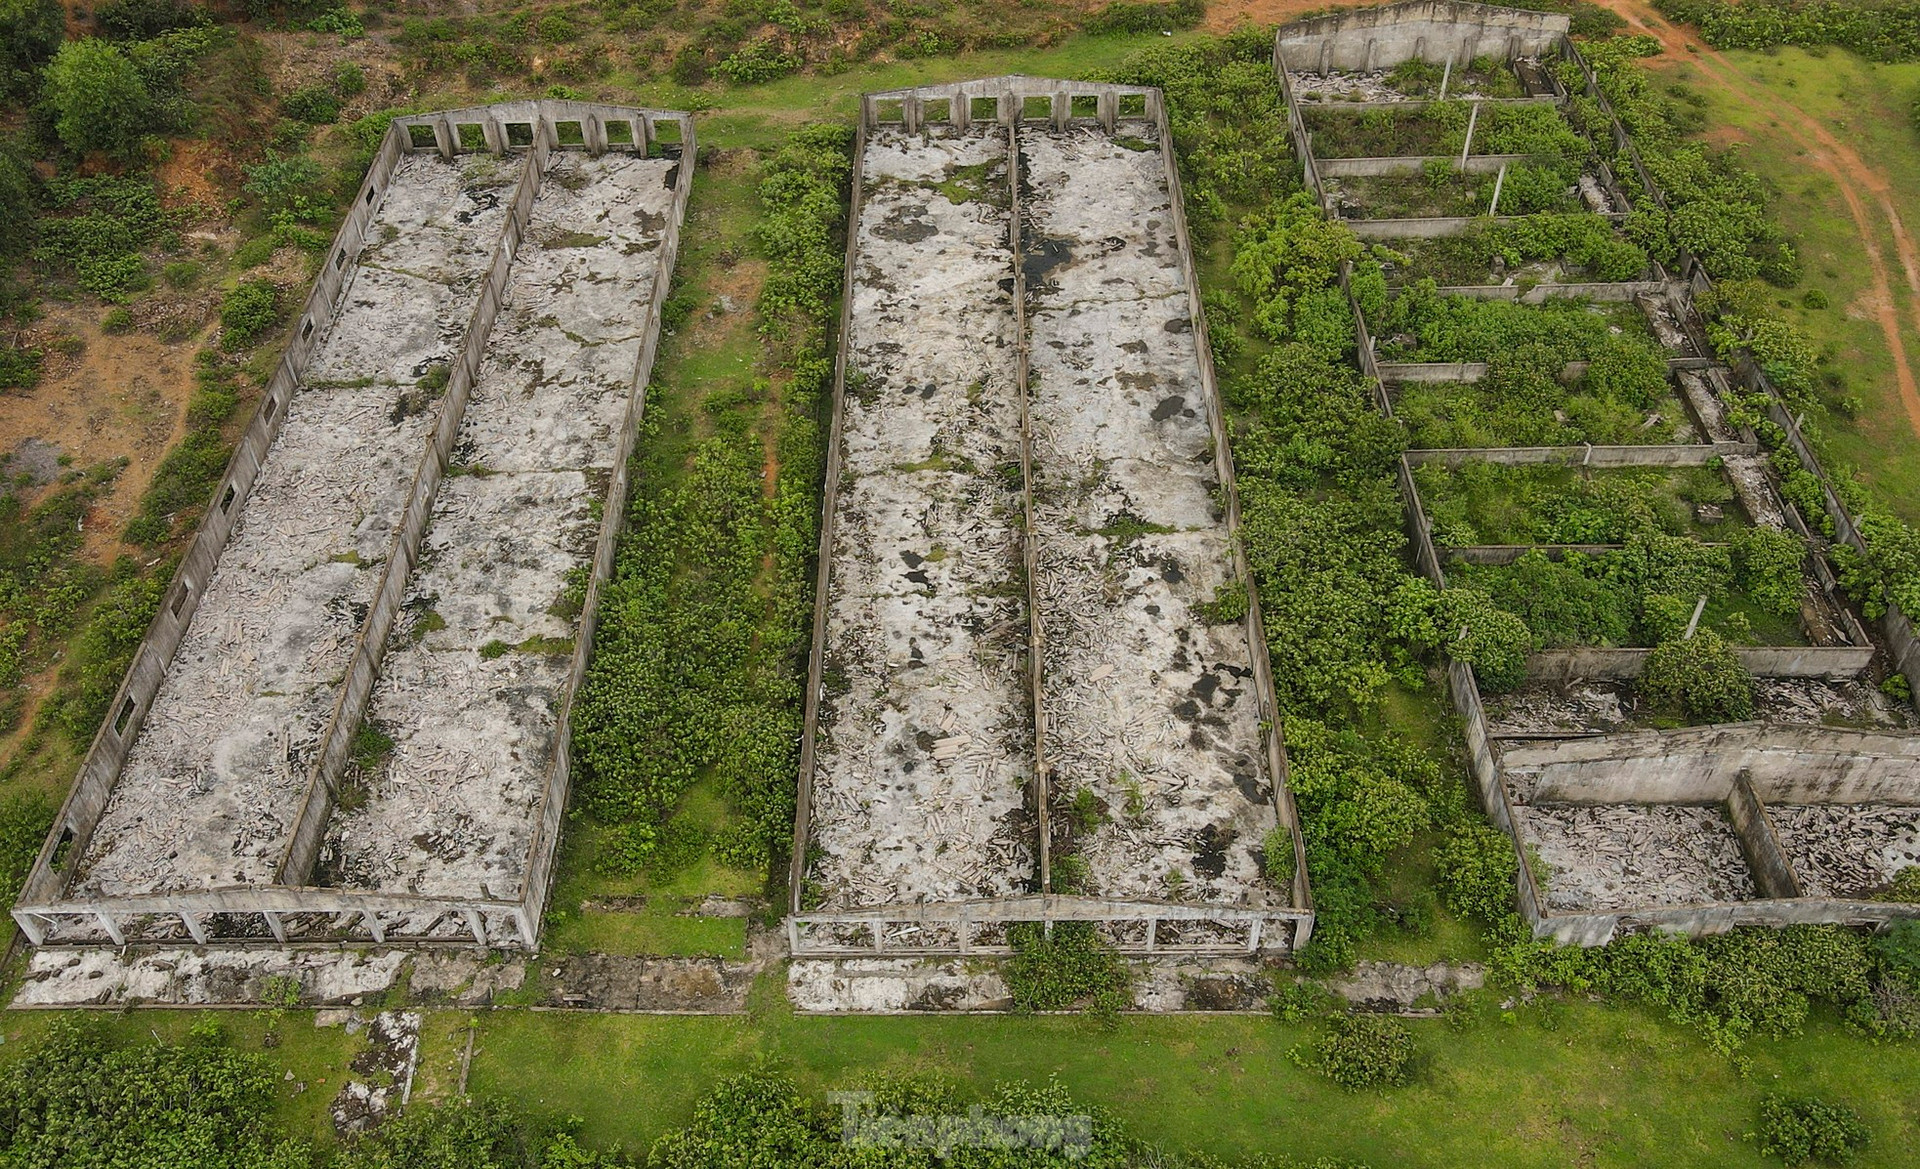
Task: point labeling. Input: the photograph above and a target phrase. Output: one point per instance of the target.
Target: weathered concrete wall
(1407, 164)
(1431, 30)
(1618, 663)
(1668, 455)
(1785, 764)
(1773, 874)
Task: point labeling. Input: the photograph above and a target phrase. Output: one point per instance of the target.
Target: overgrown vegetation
(1362, 1050)
(1886, 30)
(1805, 1128)
(698, 659)
(1067, 966)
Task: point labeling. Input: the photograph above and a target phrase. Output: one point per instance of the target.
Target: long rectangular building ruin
(1806, 813)
(350, 718)
(1019, 709)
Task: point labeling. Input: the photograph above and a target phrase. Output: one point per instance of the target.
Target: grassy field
(1546, 1087)
(1866, 106)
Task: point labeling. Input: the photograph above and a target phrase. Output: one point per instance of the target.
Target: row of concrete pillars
(915, 111)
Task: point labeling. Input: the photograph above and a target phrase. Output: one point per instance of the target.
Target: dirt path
(1861, 185)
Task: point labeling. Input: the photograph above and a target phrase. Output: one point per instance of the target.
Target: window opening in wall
(936, 109)
(1038, 108)
(984, 109)
(1085, 105)
(226, 497)
(421, 136)
(63, 849)
(519, 133)
(893, 110)
(1133, 105)
(266, 412)
(371, 192)
(619, 133)
(471, 135)
(306, 328)
(340, 259)
(570, 133)
(125, 716)
(666, 132)
(186, 590)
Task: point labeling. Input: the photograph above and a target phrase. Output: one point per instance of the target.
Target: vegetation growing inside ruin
(699, 657)
(1886, 31)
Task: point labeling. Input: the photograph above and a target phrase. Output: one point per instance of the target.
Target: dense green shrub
(1363, 1050)
(99, 99)
(757, 61)
(98, 229)
(1802, 1129)
(247, 313)
(76, 1100)
(311, 103)
(1476, 867)
(1147, 16)
(30, 31)
(1700, 676)
(1228, 122)
(1071, 967)
(1771, 564)
(1887, 31)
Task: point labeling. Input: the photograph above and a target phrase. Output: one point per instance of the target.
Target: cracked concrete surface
(473, 680)
(215, 777)
(1148, 707)
(1631, 856)
(924, 741)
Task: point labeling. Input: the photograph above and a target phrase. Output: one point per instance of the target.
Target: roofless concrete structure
(349, 720)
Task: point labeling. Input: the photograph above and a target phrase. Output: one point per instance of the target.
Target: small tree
(1700, 677)
(1363, 1051)
(99, 100)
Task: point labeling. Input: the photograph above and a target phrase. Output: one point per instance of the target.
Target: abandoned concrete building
(1802, 814)
(1019, 711)
(349, 720)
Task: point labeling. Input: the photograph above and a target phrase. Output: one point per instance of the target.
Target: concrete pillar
(195, 927)
(1420, 48)
(966, 934)
(1373, 47)
(495, 136)
(879, 938)
(1153, 928)
(793, 935)
(112, 927)
(644, 128)
(596, 134)
(1109, 110)
(374, 927)
(529, 935)
(444, 138)
(1253, 935)
(276, 927)
(911, 113)
(961, 107)
(1062, 110)
(478, 926)
(31, 926)
(1513, 47)
(1326, 57)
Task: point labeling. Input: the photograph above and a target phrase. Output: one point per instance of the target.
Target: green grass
(1575, 1084)
(1866, 106)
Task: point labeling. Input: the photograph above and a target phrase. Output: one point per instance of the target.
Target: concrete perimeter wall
(1432, 30)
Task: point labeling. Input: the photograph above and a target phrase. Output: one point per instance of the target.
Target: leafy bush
(287, 187)
(1477, 867)
(1701, 677)
(1134, 16)
(1071, 968)
(1802, 1129)
(247, 313)
(1363, 1050)
(98, 228)
(756, 62)
(311, 103)
(1771, 563)
(99, 99)
(1878, 31)
(74, 1099)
